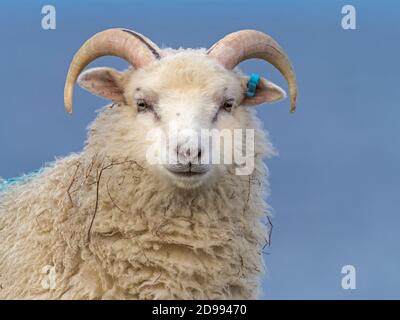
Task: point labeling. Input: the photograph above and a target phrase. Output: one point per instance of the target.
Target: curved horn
(247, 44)
(126, 44)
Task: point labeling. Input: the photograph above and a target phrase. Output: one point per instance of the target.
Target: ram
(106, 223)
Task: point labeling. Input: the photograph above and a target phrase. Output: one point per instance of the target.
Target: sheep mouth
(187, 171)
(188, 174)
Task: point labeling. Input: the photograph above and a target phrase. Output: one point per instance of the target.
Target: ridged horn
(126, 44)
(248, 44)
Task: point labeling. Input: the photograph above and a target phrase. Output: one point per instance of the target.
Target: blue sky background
(335, 185)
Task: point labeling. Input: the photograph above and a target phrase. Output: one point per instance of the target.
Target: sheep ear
(104, 82)
(266, 92)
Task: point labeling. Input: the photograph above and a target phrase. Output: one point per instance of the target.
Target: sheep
(106, 224)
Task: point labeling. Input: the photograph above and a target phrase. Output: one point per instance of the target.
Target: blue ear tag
(252, 84)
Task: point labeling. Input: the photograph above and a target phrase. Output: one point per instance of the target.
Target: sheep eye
(142, 105)
(227, 105)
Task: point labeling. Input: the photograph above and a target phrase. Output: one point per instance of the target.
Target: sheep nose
(188, 154)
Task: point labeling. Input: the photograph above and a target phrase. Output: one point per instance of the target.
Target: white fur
(115, 227)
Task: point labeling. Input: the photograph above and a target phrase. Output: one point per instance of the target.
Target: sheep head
(181, 91)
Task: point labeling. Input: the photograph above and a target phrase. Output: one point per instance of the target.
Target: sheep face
(168, 107)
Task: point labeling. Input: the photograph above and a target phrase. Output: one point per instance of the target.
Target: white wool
(112, 227)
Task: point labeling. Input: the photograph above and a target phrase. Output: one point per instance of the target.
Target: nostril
(187, 152)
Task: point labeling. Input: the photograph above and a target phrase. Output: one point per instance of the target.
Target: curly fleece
(111, 229)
